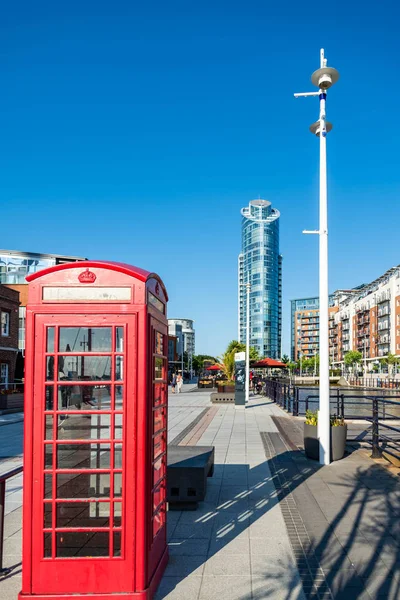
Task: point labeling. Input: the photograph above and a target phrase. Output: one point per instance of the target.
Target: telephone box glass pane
(48, 432)
(119, 339)
(117, 543)
(88, 368)
(82, 543)
(117, 514)
(83, 397)
(119, 368)
(50, 339)
(48, 456)
(118, 456)
(158, 394)
(158, 470)
(159, 419)
(158, 368)
(119, 390)
(118, 427)
(47, 545)
(83, 514)
(83, 456)
(158, 522)
(83, 485)
(159, 444)
(159, 349)
(84, 427)
(48, 486)
(49, 397)
(117, 485)
(50, 368)
(84, 339)
(158, 495)
(48, 515)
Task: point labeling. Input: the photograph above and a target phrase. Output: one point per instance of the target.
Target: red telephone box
(95, 445)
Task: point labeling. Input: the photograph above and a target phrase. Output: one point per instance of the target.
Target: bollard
(376, 453)
(296, 402)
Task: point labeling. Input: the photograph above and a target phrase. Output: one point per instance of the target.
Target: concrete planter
(224, 397)
(338, 441)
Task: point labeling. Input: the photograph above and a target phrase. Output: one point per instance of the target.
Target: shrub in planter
(338, 436)
(226, 386)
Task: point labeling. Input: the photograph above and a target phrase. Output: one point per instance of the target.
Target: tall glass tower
(261, 264)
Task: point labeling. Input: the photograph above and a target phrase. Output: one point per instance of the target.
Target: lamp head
(325, 77)
(315, 128)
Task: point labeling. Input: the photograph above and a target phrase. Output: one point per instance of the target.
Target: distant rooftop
(40, 255)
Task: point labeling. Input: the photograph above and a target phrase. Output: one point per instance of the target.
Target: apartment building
(369, 321)
(260, 264)
(365, 319)
(305, 326)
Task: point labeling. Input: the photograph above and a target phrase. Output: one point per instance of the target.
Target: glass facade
(260, 264)
(16, 265)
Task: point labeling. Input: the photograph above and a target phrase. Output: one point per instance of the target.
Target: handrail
(3, 479)
(288, 397)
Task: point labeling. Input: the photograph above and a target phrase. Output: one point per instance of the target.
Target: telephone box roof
(131, 270)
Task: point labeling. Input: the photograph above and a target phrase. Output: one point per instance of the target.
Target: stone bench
(187, 472)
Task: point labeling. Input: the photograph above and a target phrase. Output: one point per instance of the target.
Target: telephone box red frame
(94, 513)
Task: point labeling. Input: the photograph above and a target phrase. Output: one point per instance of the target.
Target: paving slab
(274, 525)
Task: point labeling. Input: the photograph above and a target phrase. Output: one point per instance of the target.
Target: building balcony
(364, 320)
(363, 332)
(383, 297)
(383, 326)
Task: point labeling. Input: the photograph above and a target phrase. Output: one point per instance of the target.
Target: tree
(228, 358)
(285, 359)
(198, 361)
(390, 360)
(352, 358)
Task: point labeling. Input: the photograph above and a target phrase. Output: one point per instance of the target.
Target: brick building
(365, 319)
(9, 306)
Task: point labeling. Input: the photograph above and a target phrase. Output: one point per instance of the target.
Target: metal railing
(375, 382)
(3, 479)
(377, 410)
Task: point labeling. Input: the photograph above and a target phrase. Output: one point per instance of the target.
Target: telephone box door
(84, 436)
(158, 434)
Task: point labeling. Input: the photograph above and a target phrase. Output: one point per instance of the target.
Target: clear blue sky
(135, 131)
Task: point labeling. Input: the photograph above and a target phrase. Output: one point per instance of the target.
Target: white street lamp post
(323, 78)
(247, 341)
(183, 350)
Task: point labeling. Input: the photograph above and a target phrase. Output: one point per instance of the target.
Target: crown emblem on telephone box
(87, 277)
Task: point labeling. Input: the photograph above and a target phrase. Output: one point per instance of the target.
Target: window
(4, 373)
(5, 323)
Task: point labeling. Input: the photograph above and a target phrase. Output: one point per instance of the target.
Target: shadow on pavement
(342, 522)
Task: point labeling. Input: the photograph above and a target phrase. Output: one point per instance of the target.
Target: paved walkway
(274, 525)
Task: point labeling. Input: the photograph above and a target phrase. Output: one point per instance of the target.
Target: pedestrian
(173, 383)
(179, 382)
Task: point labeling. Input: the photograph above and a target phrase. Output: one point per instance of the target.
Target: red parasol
(214, 368)
(269, 363)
